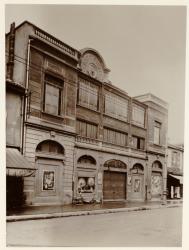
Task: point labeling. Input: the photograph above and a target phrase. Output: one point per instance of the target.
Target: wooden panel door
(114, 185)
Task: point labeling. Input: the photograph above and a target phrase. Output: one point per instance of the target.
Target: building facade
(175, 171)
(86, 138)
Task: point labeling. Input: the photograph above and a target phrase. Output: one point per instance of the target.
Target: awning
(16, 163)
(180, 178)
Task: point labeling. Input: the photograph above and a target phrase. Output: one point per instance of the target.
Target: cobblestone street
(153, 228)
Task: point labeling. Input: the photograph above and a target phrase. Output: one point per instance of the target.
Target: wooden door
(114, 185)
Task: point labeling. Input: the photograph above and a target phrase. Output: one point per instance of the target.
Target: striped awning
(17, 164)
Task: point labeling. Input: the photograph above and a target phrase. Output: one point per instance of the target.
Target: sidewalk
(56, 211)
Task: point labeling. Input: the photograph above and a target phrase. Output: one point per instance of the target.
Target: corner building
(86, 138)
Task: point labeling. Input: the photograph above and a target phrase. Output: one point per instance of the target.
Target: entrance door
(114, 185)
(137, 186)
(156, 185)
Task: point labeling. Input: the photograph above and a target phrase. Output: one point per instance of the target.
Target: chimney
(10, 64)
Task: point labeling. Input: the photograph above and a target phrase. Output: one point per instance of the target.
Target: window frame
(85, 125)
(89, 85)
(157, 125)
(118, 101)
(139, 140)
(115, 136)
(58, 84)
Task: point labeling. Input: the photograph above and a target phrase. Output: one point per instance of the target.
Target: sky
(143, 46)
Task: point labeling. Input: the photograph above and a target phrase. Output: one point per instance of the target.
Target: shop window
(88, 94)
(138, 115)
(138, 142)
(52, 95)
(86, 129)
(157, 129)
(49, 146)
(115, 137)
(116, 106)
(86, 184)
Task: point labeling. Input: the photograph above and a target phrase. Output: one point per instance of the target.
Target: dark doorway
(14, 190)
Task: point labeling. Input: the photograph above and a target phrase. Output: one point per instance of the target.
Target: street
(150, 228)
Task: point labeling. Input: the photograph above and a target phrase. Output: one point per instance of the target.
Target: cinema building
(82, 136)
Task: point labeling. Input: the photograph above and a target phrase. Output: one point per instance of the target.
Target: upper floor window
(157, 129)
(138, 142)
(88, 94)
(138, 115)
(52, 95)
(115, 137)
(116, 106)
(86, 129)
(175, 158)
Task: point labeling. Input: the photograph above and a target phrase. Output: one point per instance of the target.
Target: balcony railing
(87, 140)
(66, 48)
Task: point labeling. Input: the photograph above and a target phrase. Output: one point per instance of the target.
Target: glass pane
(51, 99)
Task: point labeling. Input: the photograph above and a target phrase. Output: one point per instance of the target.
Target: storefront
(17, 170)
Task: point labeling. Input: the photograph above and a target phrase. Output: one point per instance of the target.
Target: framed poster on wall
(48, 180)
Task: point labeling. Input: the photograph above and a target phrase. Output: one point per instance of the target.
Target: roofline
(36, 27)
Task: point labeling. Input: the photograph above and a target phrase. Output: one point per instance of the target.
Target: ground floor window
(86, 184)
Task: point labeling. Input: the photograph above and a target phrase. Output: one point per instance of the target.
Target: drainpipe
(26, 96)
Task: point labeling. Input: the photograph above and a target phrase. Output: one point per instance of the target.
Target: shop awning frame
(17, 164)
(180, 178)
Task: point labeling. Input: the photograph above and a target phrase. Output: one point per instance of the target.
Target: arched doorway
(49, 176)
(156, 181)
(137, 181)
(86, 178)
(114, 180)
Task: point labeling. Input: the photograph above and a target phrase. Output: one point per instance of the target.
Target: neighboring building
(17, 166)
(85, 137)
(175, 171)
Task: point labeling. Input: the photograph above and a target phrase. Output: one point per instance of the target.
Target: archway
(156, 180)
(137, 181)
(49, 176)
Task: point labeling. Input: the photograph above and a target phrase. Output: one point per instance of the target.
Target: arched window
(115, 164)
(157, 166)
(86, 159)
(50, 146)
(137, 168)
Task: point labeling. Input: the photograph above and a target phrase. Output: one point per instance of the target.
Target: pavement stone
(90, 210)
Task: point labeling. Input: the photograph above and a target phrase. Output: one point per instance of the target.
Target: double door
(114, 185)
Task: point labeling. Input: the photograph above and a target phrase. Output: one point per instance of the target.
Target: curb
(15, 218)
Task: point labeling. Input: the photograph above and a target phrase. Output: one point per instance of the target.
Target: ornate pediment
(92, 64)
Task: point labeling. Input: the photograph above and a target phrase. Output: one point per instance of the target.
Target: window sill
(52, 115)
(83, 106)
(116, 118)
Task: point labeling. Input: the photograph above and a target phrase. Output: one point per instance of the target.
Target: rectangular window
(88, 94)
(116, 106)
(52, 95)
(85, 129)
(175, 159)
(157, 128)
(138, 115)
(115, 137)
(138, 143)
